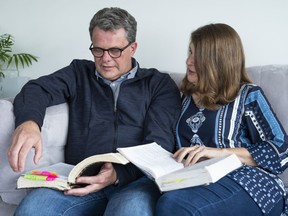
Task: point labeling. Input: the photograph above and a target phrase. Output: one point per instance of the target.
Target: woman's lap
(224, 197)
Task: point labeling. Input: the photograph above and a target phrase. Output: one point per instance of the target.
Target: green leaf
(8, 58)
(22, 59)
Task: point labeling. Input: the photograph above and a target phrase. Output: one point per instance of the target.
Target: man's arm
(29, 110)
(163, 113)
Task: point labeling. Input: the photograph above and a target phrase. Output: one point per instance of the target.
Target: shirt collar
(129, 75)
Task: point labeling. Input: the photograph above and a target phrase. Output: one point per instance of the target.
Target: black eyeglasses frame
(108, 50)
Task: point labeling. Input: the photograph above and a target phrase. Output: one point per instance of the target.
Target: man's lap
(138, 197)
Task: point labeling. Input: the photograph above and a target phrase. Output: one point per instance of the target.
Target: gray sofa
(272, 78)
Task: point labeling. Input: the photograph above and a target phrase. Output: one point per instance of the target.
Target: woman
(224, 113)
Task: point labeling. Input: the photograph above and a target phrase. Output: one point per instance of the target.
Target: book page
(152, 159)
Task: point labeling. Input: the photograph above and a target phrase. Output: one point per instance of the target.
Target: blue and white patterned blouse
(246, 122)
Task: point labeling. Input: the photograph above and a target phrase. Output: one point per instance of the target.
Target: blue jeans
(223, 198)
(136, 198)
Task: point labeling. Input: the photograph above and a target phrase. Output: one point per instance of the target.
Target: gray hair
(113, 18)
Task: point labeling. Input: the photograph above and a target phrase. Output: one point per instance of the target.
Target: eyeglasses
(113, 52)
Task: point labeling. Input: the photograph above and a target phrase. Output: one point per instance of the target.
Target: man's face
(112, 68)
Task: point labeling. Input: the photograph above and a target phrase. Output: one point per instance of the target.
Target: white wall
(57, 30)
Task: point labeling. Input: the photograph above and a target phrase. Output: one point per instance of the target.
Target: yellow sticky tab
(174, 181)
(35, 177)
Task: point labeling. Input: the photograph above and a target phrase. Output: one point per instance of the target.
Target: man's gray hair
(113, 18)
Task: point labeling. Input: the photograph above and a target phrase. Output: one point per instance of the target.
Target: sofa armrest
(54, 134)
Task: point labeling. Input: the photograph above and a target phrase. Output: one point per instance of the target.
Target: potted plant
(10, 61)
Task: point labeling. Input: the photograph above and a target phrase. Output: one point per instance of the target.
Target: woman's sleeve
(269, 141)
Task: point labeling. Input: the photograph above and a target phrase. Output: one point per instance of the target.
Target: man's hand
(26, 136)
(106, 176)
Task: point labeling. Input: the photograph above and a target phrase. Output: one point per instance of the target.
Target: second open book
(151, 158)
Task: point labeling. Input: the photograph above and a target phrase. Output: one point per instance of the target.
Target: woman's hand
(197, 153)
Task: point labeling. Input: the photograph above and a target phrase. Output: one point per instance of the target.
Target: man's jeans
(136, 198)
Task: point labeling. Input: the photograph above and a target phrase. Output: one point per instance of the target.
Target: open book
(168, 174)
(151, 158)
(62, 176)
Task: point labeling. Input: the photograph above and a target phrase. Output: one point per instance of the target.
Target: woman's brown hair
(220, 65)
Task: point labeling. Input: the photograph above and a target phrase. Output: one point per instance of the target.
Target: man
(112, 103)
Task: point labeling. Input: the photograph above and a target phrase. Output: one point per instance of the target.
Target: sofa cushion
(54, 132)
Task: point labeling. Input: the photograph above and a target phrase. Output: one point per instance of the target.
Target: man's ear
(134, 46)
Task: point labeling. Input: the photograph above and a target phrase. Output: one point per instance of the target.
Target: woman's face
(191, 72)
